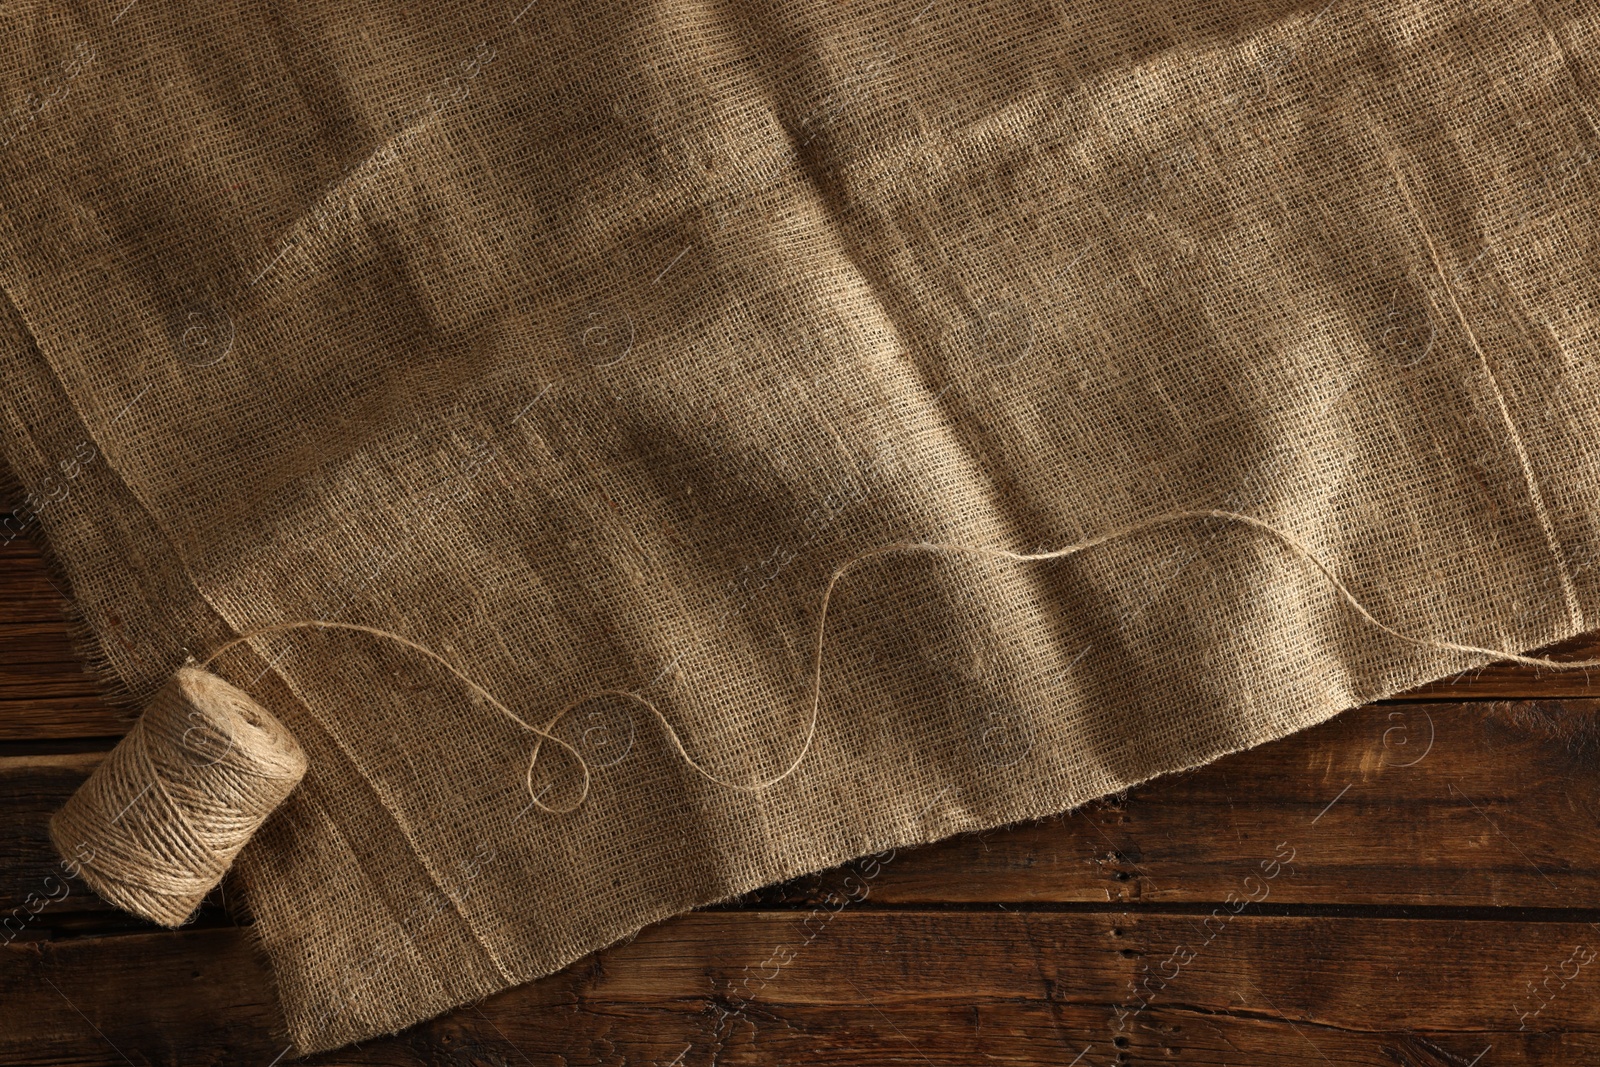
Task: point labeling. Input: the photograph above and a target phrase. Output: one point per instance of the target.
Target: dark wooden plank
(194, 997)
(26, 590)
(45, 692)
(60, 718)
(863, 987)
(1420, 805)
(36, 885)
(24, 681)
(39, 642)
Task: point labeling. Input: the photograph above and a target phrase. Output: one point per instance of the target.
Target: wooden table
(1416, 882)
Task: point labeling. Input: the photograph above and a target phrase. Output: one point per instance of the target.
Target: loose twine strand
(544, 733)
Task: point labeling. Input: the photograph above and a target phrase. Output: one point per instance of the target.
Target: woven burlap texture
(582, 342)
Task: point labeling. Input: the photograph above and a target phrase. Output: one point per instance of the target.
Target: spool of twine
(156, 825)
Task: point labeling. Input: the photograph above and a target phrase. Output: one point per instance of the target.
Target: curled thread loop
(544, 733)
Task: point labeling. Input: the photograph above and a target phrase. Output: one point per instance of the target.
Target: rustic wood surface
(1416, 882)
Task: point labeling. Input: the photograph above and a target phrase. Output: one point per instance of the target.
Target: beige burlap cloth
(582, 343)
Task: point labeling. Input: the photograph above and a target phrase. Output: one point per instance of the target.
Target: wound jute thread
(160, 821)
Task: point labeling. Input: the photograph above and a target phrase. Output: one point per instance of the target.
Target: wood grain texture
(1415, 882)
(886, 986)
(45, 692)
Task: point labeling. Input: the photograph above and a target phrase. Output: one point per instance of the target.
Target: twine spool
(156, 825)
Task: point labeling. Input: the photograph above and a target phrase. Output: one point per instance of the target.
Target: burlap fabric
(582, 342)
